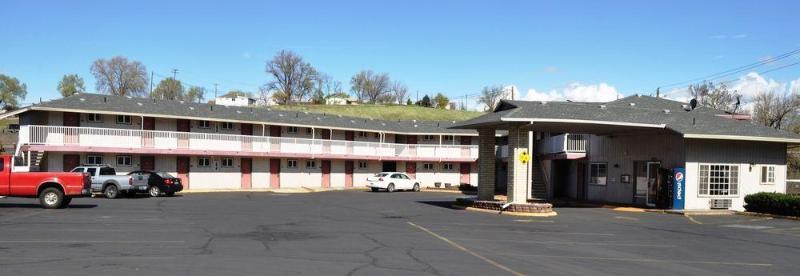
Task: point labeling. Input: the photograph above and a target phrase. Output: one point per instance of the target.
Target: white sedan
(392, 181)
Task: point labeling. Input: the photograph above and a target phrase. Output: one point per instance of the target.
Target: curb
(514, 214)
(753, 214)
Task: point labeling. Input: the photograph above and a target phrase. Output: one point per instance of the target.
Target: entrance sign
(679, 188)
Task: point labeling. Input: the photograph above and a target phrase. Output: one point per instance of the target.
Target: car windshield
(165, 175)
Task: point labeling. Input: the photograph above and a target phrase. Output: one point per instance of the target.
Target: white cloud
(577, 92)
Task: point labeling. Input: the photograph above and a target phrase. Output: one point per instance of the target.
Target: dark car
(158, 182)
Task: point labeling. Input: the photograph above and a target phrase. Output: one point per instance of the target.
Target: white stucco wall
(261, 175)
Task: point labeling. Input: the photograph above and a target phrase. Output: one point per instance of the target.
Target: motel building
(238, 147)
(638, 150)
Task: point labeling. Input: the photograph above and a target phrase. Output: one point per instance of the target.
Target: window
(598, 172)
(124, 119)
(123, 160)
(227, 125)
(310, 164)
(94, 160)
(719, 180)
(448, 138)
(291, 130)
(94, 118)
(427, 137)
(362, 134)
(427, 166)
(362, 164)
(227, 162)
(107, 171)
(291, 163)
(203, 124)
(203, 162)
(767, 174)
(309, 131)
(447, 166)
(92, 171)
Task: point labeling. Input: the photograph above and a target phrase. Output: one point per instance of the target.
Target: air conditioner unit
(720, 203)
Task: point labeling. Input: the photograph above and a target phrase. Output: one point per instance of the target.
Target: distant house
(235, 101)
(340, 100)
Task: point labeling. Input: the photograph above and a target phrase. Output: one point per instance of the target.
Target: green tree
(425, 102)
(70, 85)
(168, 89)
(195, 94)
(11, 91)
(118, 76)
(408, 102)
(441, 101)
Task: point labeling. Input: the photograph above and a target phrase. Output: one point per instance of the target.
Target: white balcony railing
(172, 140)
(564, 143)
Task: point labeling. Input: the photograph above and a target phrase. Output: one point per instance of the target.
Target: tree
(441, 101)
(118, 76)
(714, 96)
(293, 77)
(237, 93)
(324, 87)
(70, 85)
(168, 89)
(195, 94)
(771, 108)
(371, 87)
(490, 96)
(399, 90)
(408, 102)
(11, 91)
(425, 102)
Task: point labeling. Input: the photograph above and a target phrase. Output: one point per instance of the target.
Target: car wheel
(390, 188)
(154, 191)
(51, 198)
(111, 191)
(374, 189)
(416, 187)
(170, 193)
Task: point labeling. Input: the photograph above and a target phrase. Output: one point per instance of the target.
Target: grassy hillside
(386, 112)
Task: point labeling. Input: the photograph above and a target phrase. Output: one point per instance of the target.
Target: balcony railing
(172, 140)
(564, 143)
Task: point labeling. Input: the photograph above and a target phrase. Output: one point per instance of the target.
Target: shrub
(773, 203)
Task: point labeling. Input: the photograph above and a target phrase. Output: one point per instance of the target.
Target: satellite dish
(693, 103)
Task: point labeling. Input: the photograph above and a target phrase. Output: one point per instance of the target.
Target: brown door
(183, 138)
(70, 161)
(148, 123)
(147, 163)
(348, 173)
(274, 173)
(247, 170)
(71, 135)
(183, 170)
(465, 168)
(326, 173)
(411, 169)
(247, 142)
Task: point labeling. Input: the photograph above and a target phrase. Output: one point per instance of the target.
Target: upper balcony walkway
(89, 139)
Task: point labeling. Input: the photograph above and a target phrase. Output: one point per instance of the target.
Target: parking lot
(364, 233)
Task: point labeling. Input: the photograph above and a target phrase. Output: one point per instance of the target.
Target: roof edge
(742, 138)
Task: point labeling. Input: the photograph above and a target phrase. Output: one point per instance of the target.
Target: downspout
(313, 132)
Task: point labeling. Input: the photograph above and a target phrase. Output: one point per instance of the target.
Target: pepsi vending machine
(678, 188)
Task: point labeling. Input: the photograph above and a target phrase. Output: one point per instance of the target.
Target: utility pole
(174, 73)
(215, 91)
(151, 82)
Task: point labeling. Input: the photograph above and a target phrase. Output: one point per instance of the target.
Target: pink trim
(235, 153)
(563, 155)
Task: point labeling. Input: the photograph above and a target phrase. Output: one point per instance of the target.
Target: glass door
(652, 182)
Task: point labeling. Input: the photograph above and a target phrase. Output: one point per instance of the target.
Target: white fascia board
(229, 120)
(742, 138)
(573, 121)
(12, 113)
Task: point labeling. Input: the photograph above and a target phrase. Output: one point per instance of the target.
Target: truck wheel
(154, 191)
(111, 191)
(51, 198)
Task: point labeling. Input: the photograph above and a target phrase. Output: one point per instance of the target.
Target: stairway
(37, 158)
(539, 183)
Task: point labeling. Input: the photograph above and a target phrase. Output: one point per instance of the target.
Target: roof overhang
(584, 126)
(743, 138)
(14, 113)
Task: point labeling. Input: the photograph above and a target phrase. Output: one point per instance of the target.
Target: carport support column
(517, 171)
(486, 164)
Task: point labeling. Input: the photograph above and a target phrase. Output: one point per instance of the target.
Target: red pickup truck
(54, 189)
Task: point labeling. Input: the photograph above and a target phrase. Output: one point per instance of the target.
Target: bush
(773, 203)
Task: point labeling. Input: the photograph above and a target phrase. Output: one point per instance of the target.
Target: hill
(386, 112)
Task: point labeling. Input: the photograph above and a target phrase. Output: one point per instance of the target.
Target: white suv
(392, 181)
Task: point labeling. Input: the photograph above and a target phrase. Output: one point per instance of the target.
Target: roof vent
(414, 121)
(340, 115)
(105, 99)
(83, 100)
(319, 119)
(140, 104)
(602, 106)
(269, 109)
(666, 111)
(212, 107)
(454, 122)
(129, 97)
(191, 108)
(238, 112)
(543, 102)
(383, 124)
(632, 104)
(181, 101)
(305, 112)
(280, 115)
(415, 125)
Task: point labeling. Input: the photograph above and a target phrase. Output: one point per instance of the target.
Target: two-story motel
(228, 147)
(625, 151)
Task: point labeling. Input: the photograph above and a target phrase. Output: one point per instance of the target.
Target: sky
(549, 50)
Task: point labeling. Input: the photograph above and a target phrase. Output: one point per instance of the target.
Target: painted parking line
(692, 219)
(524, 232)
(744, 226)
(91, 241)
(626, 218)
(462, 248)
(623, 244)
(635, 260)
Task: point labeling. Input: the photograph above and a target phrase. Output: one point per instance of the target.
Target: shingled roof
(640, 111)
(96, 103)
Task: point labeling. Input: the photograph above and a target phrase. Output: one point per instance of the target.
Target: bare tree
(293, 77)
(714, 96)
(490, 96)
(771, 108)
(118, 76)
(370, 86)
(400, 91)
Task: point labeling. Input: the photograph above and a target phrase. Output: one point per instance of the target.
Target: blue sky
(454, 47)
